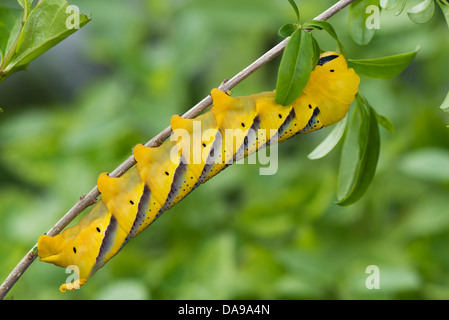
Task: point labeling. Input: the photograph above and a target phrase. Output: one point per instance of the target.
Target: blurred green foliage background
(83, 105)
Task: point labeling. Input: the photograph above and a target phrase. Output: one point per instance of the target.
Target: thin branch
(91, 197)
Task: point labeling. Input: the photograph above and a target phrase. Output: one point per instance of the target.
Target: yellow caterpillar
(166, 174)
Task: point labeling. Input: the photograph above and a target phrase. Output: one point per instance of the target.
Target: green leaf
(295, 7)
(388, 4)
(49, 22)
(385, 123)
(295, 68)
(329, 142)
(445, 105)
(423, 12)
(357, 21)
(321, 25)
(350, 157)
(26, 5)
(368, 162)
(316, 50)
(382, 68)
(326, 26)
(404, 2)
(287, 29)
(359, 155)
(41, 33)
(445, 9)
(10, 25)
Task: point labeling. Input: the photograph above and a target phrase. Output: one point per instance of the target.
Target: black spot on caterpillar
(164, 175)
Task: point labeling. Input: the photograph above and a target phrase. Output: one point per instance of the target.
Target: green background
(83, 105)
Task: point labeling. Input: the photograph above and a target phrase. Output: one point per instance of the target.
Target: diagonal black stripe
(325, 60)
(106, 244)
(210, 161)
(178, 179)
(250, 137)
(142, 208)
(288, 120)
(312, 121)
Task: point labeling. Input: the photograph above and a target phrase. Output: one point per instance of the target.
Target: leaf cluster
(361, 139)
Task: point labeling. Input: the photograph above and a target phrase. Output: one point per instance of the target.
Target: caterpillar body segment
(198, 149)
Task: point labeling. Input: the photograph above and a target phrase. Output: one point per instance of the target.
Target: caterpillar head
(331, 89)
